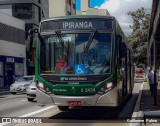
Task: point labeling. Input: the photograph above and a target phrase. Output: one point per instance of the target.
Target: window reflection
(69, 54)
(57, 56)
(98, 57)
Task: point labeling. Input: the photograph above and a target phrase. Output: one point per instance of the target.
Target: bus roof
(79, 16)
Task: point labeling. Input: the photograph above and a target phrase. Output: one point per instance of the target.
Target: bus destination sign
(78, 25)
(73, 24)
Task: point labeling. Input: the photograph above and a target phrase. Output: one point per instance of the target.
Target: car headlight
(105, 88)
(43, 88)
(26, 85)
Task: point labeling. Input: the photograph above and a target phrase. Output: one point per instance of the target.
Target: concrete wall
(93, 11)
(78, 13)
(96, 11)
(57, 8)
(84, 5)
(12, 49)
(11, 21)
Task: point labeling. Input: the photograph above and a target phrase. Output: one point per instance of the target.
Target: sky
(119, 9)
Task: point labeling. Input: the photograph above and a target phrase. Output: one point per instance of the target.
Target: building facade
(31, 12)
(62, 7)
(85, 5)
(154, 38)
(93, 11)
(12, 49)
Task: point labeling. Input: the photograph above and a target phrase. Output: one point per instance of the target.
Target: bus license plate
(74, 103)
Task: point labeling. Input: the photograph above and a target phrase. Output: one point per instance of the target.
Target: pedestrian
(151, 80)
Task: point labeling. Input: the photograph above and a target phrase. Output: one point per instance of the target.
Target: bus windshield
(77, 54)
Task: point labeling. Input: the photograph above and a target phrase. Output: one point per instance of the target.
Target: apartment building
(62, 7)
(12, 49)
(31, 12)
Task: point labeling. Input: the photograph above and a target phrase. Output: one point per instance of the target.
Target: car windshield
(78, 54)
(25, 79)
(139, 71)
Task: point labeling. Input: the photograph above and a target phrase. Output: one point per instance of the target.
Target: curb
(5, 92)
(136, 112)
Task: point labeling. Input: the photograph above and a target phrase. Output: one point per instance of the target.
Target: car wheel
(30, 99)
(63, 108)
(14, 93)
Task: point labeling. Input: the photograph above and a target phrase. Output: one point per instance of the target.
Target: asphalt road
(18, 106)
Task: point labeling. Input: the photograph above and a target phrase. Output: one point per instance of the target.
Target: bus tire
(131, 93)
(63, 108)
(30, 99)
(14, 93)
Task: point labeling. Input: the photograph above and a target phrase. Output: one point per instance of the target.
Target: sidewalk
(4, 91)
(147, 100)
(147, 104)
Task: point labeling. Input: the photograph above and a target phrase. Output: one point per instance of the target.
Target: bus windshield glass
(77, 54)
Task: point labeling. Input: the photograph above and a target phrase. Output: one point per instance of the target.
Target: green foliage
(137, 40)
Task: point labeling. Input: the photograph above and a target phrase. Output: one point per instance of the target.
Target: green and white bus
(82, 61)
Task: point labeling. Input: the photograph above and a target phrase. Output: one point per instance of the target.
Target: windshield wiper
(61, 41)
(41, 65)
(90, 40)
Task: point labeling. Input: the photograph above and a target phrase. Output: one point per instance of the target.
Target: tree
(139, 36)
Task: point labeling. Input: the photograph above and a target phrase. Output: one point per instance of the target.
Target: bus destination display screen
(76, 25)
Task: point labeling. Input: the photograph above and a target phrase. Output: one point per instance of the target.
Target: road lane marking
(38, 111)
(142, 86)
(137, 106)
(24, 100)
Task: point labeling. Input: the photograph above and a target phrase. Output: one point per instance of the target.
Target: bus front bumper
(107, 99)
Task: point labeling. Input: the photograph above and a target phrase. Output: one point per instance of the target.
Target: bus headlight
(105, 88)
(41, 86)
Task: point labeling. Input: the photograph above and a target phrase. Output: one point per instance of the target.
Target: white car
(21, 84)
(31, 92)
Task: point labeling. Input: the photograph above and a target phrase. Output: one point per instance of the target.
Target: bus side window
(119, 38)
(122, 48)
(122, 52)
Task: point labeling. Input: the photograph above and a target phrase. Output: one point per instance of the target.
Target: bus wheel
(14, 93)
(63, 108)
(30, 99)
